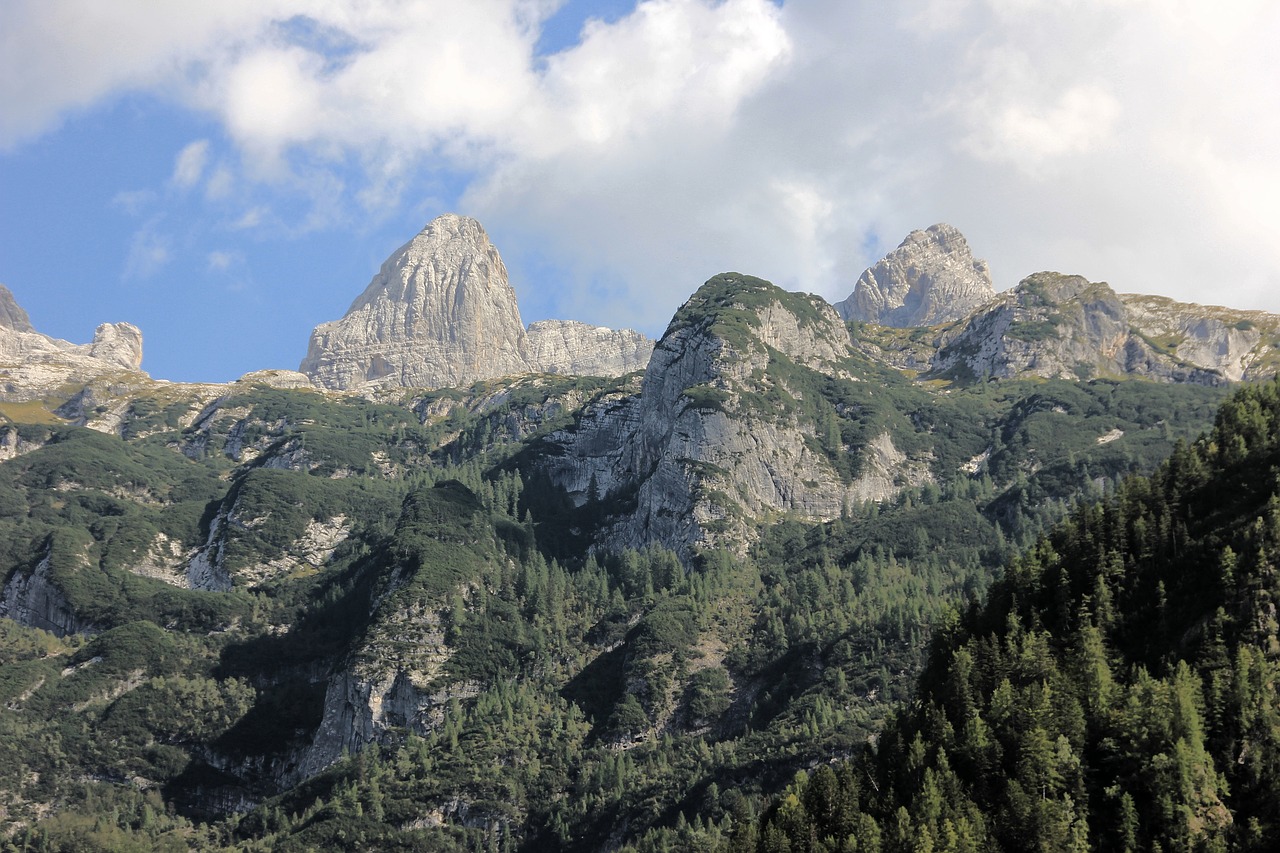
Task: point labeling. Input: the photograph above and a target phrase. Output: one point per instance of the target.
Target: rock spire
(442, 313)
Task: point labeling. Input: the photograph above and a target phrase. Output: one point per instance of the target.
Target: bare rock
(283, 379)
(12, 316)
(1064, 326)
(34, 366)
(702, 452)
(119, 344)
(932, 277)
(578, 349)
(441, 313)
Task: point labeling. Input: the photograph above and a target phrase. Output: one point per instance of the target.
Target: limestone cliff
(34, 599)
(1240, 345)
(932, 277)
(570, 347)
(32, 364)
(723, 430)
(441, 313)
(394, 675)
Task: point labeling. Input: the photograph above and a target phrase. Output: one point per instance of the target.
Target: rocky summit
(1066, 327)
(721, 431)
(32, 364)
(441, 313)
(931, 278)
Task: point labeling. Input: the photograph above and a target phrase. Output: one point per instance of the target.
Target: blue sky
(226, 176)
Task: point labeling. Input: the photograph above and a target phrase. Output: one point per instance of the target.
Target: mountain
(1054, 325)
(1115, 692)
(33, 365)
(734, 420)
(551, 610)
(568, 347)
(442, 314)
(932, 277)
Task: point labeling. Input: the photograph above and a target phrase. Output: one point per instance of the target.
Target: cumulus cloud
(1127, 140)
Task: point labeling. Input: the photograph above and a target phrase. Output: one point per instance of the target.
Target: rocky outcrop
(34, 600)
(718, 438)
(12, 317)
(282, 379)
(394, 675)
(119, 344)
(570, 347)
(1063, 326)
(932, 277)
(441, 313)
(1240, 345)
(34, 366)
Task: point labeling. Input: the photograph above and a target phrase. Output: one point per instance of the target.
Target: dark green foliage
(1034, 330)
(577, 699)
(1110, 693)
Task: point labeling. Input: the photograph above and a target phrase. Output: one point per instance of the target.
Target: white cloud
(149, 252)
(134, 202)
(223, 260)
(1029, 135)
(188, 166)
(1128, 140)
(251, 218)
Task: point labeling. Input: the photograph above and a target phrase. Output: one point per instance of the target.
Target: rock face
(32, 365)
(717, 437)
(931, 278)
(570, 347)
(1240, 345)
(12, 317)
(1055, 325)
(33, 599)
(441, 313)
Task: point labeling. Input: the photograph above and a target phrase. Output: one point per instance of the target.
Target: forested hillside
(534, 695)
(1117, 691)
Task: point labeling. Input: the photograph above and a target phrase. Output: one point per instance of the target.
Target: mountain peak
(441, 313)
(932, 277)
(11, 314)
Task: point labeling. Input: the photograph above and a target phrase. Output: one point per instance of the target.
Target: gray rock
(703, 461)
(441, 313)
(34, 600)
(1240, 345)
(11, 314)
(35, 366)
(931, 278)
(1063, 326)
(119, 344)
(570, 347)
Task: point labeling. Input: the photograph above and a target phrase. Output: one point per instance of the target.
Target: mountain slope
(537, 612)
(1061, 326)
(1116, 692)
